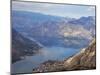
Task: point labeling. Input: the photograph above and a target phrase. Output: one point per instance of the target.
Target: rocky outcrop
(85, 59)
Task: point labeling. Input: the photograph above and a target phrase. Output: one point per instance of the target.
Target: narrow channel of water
(48, 53)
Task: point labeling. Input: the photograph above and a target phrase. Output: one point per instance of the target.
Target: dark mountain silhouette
(22, 46)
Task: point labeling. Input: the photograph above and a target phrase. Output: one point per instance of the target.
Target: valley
(40, 41)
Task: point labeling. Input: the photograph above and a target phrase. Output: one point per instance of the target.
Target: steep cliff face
(85, 59)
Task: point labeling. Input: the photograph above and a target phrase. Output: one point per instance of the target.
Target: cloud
(30, 6)
(91, 8)
(74, 11)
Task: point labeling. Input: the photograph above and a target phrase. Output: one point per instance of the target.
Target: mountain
(22, 46)
(84, 60)
(30, 18)
(58, 31)
(86, 22)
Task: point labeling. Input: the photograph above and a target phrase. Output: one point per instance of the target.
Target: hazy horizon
(73, 11)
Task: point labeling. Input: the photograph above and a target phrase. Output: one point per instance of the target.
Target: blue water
(48, 53)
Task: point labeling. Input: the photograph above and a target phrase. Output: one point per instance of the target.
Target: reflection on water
(48, 53)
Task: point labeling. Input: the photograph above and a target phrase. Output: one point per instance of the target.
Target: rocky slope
(85, 59)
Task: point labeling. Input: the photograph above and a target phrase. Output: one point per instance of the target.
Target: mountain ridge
(22, 46)
(45, 28)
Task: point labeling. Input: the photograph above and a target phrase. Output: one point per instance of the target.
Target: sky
(63, 10)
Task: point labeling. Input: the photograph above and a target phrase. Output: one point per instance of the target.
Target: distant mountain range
(54, 30)
(86, 22)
